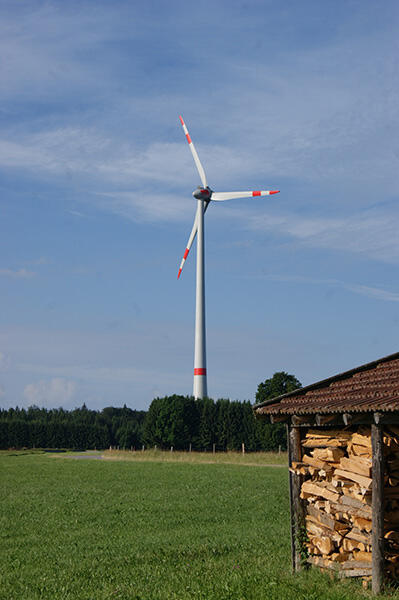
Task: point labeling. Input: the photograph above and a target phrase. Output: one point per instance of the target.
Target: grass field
(149, 530)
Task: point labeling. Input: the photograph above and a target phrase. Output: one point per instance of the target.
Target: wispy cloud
(43, 260)
(146, 206)
(18, 273)
(364, 290)
(76, 213)
(371, 233)
(45, 47)
(93, 374)
(373, 292)
(4, 361)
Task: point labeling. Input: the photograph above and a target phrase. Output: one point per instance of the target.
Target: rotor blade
(220, 196)
(195, 155)
(190, 240)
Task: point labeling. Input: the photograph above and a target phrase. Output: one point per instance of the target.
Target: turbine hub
(202, 193)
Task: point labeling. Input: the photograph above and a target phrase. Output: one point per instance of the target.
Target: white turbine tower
(204, 195)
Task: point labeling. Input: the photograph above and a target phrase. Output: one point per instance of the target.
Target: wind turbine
(204, 195)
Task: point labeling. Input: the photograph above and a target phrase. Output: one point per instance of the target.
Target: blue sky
(96, 207)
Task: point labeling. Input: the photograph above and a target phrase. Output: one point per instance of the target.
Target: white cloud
(17, 274)
(52, 393)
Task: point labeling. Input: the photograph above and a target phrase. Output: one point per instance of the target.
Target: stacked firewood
(336, 488)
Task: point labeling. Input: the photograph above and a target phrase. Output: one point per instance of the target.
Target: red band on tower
(199, 371)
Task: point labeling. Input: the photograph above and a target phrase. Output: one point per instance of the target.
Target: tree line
(181, 422)
(77, 429)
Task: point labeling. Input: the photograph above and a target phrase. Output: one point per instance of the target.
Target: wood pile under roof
(343, 449)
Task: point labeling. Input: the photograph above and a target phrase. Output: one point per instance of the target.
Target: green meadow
(149, 530)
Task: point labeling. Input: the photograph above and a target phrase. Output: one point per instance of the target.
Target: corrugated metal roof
(370, 387)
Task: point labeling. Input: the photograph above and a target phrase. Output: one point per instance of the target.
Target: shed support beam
(303, 420)
(326, 420)
(377, 507)
(278, 419)
(296, 504)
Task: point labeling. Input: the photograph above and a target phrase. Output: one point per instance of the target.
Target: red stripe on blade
(181, 119)
(186, 253)
(256, 193)
(179, 273)
(199, 371)
(188, 138)
(275, 192)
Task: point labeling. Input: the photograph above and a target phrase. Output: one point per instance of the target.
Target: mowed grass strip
(149, 530)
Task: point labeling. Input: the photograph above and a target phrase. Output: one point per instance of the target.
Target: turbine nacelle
(202, 193)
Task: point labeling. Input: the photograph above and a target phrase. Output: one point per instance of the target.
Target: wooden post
(377, 507)
(296, 504)
(289, 448)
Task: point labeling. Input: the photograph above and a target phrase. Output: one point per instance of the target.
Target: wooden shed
(343, 448)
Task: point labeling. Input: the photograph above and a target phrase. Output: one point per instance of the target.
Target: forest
(181, 422)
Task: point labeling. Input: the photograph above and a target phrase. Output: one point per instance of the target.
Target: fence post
(243, 448)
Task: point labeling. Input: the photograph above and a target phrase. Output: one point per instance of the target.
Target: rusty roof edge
(329, 380)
